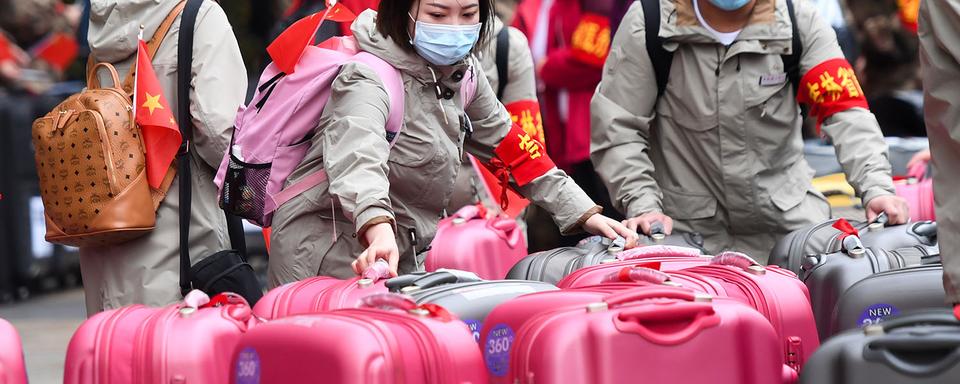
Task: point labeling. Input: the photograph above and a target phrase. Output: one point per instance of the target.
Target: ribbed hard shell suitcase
(650, 334)
(828, 276)
(922, 348)
(551, 266)
(403, 343)
(890, 293)
(12, 369)
(790, 251)
(774, 292)
(665, 258)
(172, 344)
(471, 242)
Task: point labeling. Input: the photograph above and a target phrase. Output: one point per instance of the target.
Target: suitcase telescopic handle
(916, 355)
(658, 251)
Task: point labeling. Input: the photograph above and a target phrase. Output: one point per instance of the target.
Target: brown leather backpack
(91, 164)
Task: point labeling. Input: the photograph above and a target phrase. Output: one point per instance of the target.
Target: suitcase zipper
(378, 331)
(426, 340)
(529, 330)
(104, 343)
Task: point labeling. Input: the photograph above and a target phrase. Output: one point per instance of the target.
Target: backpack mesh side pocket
(245, 189)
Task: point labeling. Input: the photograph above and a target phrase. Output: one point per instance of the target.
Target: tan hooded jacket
(720, 152)
(409, 184)
(146, 270)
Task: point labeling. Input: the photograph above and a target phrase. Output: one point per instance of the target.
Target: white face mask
(442, 44)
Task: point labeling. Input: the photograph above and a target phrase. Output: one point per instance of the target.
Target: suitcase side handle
(654, 293)
(658, 251)
(659, 323)
(915, 355)
(739, 260)
(637, 275)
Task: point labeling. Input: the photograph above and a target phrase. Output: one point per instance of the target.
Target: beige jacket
(521, 85)
(409, 184)
(719, 146)
(940, 61)
(146, 270)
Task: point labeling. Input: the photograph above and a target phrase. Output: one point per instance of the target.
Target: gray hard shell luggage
(471, 301)
(887, 294)
(820, 238)
(553, 265)
(828, 276)
(921, 348)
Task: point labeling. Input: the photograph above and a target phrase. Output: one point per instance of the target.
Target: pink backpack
(272, 134)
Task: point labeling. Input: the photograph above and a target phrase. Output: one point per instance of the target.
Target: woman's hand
(645, 223)
(383, 245)
(601, 225)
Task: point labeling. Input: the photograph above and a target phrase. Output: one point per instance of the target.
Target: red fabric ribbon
(846, 229)
(437, 312)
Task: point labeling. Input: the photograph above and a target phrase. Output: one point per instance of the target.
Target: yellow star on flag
(153, 102)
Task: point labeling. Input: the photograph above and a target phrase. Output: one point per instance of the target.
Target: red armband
(523, 156)
(526, 114)
(831, 87)
(591, 39)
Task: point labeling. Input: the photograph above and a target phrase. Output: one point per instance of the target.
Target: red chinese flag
(161, 136)
(59, 50)
(286, 49)
(5, 53)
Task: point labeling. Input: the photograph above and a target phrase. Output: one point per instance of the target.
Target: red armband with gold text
(829, 88)
(526, 113)
(521, 156)
(591, 40)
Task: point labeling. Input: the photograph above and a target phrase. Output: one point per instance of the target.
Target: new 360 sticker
(248, 366)
(876, 313)
(496, 350)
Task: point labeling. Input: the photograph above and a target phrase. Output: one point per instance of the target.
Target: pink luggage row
(741, 322)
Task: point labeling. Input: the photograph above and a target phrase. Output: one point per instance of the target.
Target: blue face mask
(729, 5)
(443, 44)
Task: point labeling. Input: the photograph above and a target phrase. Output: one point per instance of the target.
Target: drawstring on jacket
(436, 83)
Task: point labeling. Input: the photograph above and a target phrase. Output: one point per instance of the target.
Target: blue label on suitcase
(876, 313)
(496, 351)
(248, 366)
(475, 327)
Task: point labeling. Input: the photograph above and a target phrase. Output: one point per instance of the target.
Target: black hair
(393, 21)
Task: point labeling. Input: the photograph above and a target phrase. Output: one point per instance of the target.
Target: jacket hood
(370, 40)
(114, 25)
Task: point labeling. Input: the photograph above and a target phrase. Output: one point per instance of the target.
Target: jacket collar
(768, 30)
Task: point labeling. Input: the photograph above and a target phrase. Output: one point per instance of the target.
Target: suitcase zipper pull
(794, 351)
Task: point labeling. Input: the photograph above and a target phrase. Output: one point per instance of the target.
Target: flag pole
(136, 73)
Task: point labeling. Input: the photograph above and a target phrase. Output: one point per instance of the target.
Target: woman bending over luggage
(384, 203)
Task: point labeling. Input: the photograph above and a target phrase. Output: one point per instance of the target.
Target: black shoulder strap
(661, 58)
(791, 62)
(503, 60)
(184, 74)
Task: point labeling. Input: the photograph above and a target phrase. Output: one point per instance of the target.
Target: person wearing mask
(720, 151)
(508, 55)
(940, 63)
(384, 203)
(146, 270)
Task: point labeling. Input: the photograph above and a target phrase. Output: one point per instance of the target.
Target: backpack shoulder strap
(154, 44)
(659, 57)
(184, 76)
(791, 62)
(502, 60)
(393, 83)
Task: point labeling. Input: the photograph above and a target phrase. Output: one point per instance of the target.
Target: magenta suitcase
(659, 257)
(651, 334)
(774, 292)
(399, 342)
(12, 369)
(316, 294)
(468, 241)
(173, 344)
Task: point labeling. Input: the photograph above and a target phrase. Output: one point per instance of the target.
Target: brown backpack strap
(154, 43)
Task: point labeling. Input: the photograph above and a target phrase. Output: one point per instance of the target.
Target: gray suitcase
(471, 301)
(918, 348)
(887, 294)
(553, 265)
(820, 238)
(828, 276)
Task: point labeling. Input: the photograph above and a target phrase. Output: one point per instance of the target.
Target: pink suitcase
(660, 257)
(653, 334)
(316, 294)
(12, 369)
(179, 343)
(918, 191)
(468, 241)
(398, 342)
(774, 292)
